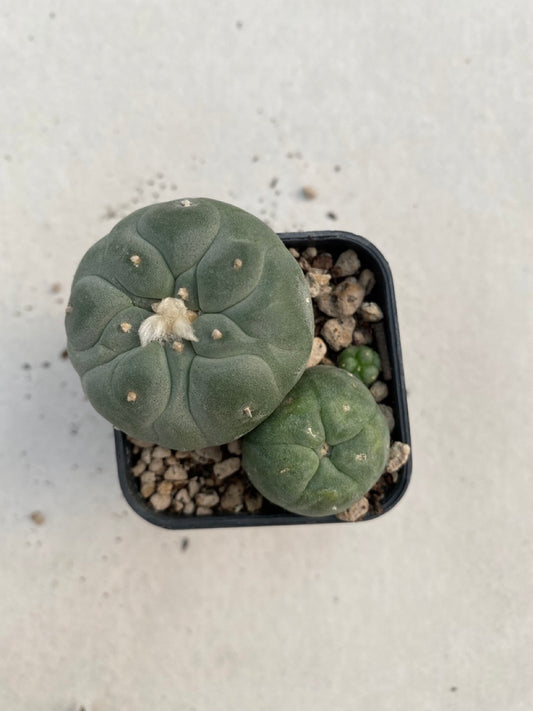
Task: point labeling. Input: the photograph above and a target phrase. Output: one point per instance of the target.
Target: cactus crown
(188, 323)
(171, 321)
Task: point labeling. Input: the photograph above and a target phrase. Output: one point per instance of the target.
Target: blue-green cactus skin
(323, 448)
(240, 282)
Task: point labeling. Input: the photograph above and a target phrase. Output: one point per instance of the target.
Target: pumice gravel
(210, 481)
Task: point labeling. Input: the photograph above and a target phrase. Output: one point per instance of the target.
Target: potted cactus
(190, 325)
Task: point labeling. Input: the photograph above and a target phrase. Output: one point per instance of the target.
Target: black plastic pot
(388, 345)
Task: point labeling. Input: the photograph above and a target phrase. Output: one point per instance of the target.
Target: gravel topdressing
(211, 481)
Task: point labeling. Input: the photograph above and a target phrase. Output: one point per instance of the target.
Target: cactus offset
(323, 448)
(361, 361)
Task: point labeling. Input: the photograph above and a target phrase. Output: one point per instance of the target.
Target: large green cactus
(188, 323)
(323, 448)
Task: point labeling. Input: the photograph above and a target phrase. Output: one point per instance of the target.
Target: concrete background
(426, 107)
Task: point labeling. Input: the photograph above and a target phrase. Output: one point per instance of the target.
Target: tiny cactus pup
(188, 323)
(323, 448)
(361, 361)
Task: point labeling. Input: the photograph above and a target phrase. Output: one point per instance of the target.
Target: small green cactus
(188, 323)
(361, 361)
(323, 448)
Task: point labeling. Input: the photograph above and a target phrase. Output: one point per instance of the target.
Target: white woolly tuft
(170, 321)
(183, 329)
(152, 329)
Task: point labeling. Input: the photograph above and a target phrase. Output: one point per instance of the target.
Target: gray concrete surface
(426, 107)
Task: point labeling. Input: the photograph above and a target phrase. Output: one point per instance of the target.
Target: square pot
(388, 346)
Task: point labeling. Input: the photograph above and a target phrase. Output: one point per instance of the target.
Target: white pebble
(138, 468)
(183, 455)
(227, 467)
(146, 455)
(176, 472)
(232, 498)
(160, 452)
(317, 283)
(193, 487)
(327, 303)
(157, 466)
(379, 390)
(398, 455)
(309, 253)
(367, 280)
(318, 351)
(183, 496)
(344, 300)
(147, 490)
(370, 312)
(347, 264)
(349, 295)
(207, 498)
(235, 447)
(362, 336)
(160, 502)
(177, 506)
(337, 332)
(164, 487)
(204, 511)
(355, 512)
(148, 477)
